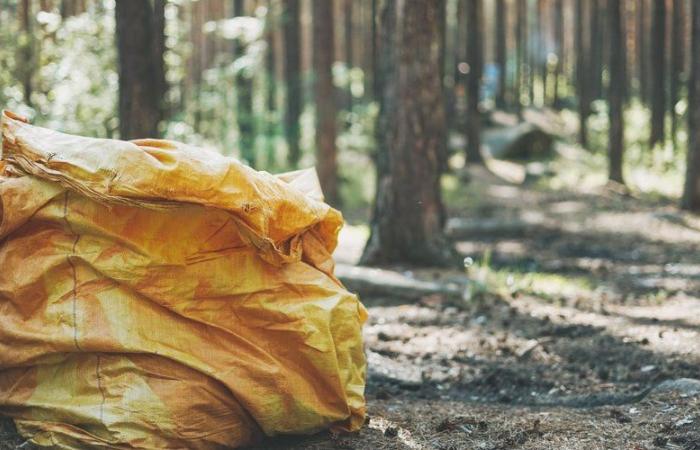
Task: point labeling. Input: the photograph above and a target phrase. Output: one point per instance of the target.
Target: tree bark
(531, 34)
(616, 91)
(521, 45)
(71, 8)
(244, 98)
(408, 212)
(559, 42)
(473, 79)
(691, 189)
(25, 60)
(292, 75)
(158, 50)
(542, 48)
(658, 76)
(139, 77)
(581, 74)
(595, 66)
(347, 38)
(501, 52)
(374, 32)
(642, 51)
(447, 98)
(271, 85)
(677, 50)
(323, 45)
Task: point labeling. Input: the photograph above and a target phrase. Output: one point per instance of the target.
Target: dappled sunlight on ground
(581, 300)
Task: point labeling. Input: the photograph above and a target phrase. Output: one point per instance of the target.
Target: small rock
(391, 432)
(687, 420)
(445, 425)
(619, 416)
(383, 395)
(660, 441)
(682, 386)
(382, 336)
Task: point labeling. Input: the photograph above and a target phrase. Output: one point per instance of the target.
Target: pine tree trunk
(448, 105)
(158, 51)
(520, 36)
(323, 45)
(642, 51)
(531, 34)
(677, 50)
(559, 42)
(271, 86)
(139, 77)
(616, 91)
(347, 38)
(595, 48)
(408, 212)
(244, 98)
(68, 8)
(582, 74)
(542, 54)
(501, 52)
(374, 32)
(292, 75)
(25, 60)
(691, 190)
(473, 87)
(196, 68)
(658, 76)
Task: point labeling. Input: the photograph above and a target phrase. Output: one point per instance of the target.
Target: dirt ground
(573, 316)
(590, 300)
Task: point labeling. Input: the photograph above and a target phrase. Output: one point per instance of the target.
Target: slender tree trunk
(325, 99)
(292, 74)
(374, 31)
(473, 87)
(616, 91)
(559, 42)
(658, 90)
(158, 51)
(541, 32)
(407, 219)
(501, 52)
(271, 84)
(347, 37)
(447, 99)
(677, 51)
(691, 189)
(244, 98)
(642, 50)
(196, 67)
(582, 74)
(521, 45)
(25, 60)
(139, 77)
(531, 38)
(595, 68)
(68, 8)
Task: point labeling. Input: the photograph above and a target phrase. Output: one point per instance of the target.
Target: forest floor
(584, 300)
(577, 311)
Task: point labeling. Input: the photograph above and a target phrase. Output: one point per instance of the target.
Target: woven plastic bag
(155, 295)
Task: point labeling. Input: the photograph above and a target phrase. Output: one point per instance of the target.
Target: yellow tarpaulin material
(159, 296)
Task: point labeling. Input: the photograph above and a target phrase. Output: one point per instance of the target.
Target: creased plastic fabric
(155, 295)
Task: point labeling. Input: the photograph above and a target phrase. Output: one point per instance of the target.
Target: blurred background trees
(345, 86)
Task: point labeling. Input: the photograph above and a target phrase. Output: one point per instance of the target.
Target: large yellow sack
(154, 295)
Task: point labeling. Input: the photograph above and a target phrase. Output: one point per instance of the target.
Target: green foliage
(656, 171)
(73, 71)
